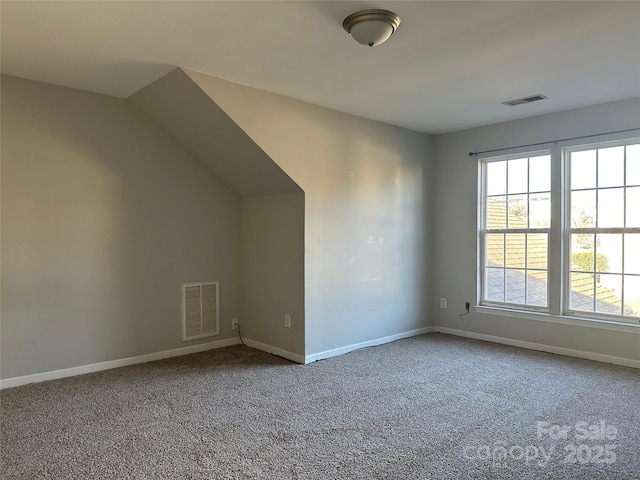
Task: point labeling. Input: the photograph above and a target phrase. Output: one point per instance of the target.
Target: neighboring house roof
(582, 284)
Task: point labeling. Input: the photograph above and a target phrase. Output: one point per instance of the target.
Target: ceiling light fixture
(371, 27)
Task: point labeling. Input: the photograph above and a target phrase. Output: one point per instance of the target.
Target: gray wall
(367, 224)
(103, 217)
(273, 271)
(455, 214)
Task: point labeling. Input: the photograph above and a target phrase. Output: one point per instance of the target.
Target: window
(516, 239)
(593, 218)
(604, 230)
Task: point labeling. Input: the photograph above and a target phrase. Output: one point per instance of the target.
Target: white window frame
(484, 231)
(558, 272)
(566, 152)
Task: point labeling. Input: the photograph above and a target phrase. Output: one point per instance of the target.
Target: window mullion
(556, 240)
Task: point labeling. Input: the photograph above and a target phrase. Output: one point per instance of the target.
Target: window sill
(562, 319)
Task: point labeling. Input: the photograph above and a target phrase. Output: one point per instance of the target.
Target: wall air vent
(200, 310)
(522, 101)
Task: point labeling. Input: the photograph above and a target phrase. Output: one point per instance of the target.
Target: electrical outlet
(234, 324)
(443, 303)
(287, 320)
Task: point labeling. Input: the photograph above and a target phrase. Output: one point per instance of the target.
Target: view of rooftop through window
(602, 269)
(604, 248)
(518, 217)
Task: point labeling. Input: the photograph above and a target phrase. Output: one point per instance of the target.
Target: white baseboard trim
(294, 357)
(599, 357)
(370, 343)
(123, 362)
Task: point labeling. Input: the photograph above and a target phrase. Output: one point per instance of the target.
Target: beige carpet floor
(428, 407)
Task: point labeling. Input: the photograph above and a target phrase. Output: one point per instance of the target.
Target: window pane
(517, 176)
(582, 292)
(494, 253)
(583, 169)
(609, 255)
(537, 245)
(583, 209)
(611, 167)
(608, 294)
(540, 210)
(537, 288)
(633, 207)
(515, 286)
(633, 164)
(582, 252)
(515, 250)
(611, 208)
(518, 212)
(540, 174)
(496, 212)
(632, 295)
(632, 254)
(496, 178)
(495, 284)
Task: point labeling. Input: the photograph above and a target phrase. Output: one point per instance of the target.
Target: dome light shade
(371, 27)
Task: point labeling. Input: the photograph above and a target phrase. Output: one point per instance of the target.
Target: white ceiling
(447, 68)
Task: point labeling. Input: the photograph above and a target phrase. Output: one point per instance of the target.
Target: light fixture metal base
(372, 37)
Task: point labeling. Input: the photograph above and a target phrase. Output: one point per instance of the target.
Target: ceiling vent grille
(200, 310)
(522, 101)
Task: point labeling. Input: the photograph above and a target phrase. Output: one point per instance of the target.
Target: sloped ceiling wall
(204, 130)
(271, 217)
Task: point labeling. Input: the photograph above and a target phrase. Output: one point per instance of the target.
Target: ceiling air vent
(522, 101)
(200, 310)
